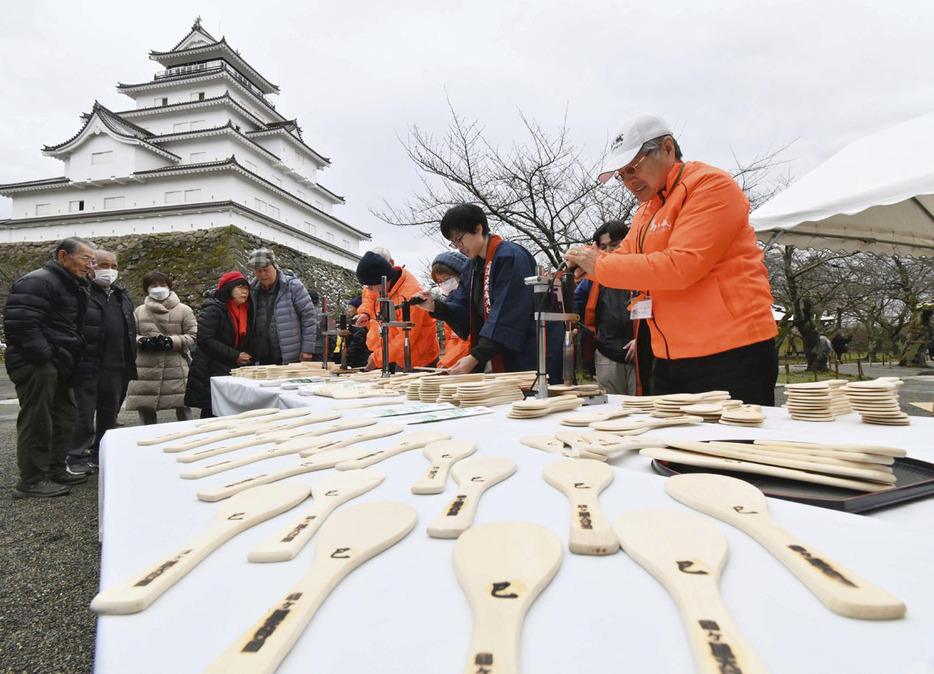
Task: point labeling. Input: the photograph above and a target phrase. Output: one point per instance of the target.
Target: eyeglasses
(456, 241)
(87, 259)
(630, 171)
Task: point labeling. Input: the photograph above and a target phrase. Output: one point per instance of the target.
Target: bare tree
(541, 194)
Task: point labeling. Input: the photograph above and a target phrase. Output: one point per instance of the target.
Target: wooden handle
(206, 426)
(686, 553)
(582, 480)
(345, 541)
(503, 567)
(442, 456)
(742, 505)
(327, 494)
(320, 462)
(474, 476)
(373, 433)
(409, 442)
(248, 509)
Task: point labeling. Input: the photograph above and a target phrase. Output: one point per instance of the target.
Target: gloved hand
(163, 342)
(146, 344)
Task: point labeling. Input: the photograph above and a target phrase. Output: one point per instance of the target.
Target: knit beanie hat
(451, 259)
(372, 268)
(228, 282)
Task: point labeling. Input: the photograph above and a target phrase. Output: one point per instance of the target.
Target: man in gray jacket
(285, 317)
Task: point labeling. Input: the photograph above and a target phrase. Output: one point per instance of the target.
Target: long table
(404, 611)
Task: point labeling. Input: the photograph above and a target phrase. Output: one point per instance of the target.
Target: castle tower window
(43, 209)
(174, 197)
(114, 202)
(76, 206)
(102, 157)
(192, 195)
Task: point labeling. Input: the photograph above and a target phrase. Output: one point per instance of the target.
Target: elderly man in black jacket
(107, 365)
(42, 321)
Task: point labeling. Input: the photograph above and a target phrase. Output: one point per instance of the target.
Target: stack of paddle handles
(864, 468)
(877, 402)
(287, 442)
(321, 458)
(539, 407)
(220, 424)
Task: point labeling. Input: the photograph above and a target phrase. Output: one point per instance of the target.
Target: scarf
(238, 312)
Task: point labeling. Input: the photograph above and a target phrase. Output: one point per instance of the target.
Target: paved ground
(50, 556)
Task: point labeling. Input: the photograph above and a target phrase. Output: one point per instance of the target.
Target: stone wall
(194, 260)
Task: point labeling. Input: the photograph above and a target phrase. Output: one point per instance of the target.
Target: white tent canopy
(876, 195)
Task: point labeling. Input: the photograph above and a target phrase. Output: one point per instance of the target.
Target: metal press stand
(551, 303)
(386, 311)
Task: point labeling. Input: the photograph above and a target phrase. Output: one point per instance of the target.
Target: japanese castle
(203, 148)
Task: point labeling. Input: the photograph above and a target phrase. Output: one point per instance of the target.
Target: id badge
(641, 309)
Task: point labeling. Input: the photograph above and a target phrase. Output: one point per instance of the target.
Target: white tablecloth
(404, 610)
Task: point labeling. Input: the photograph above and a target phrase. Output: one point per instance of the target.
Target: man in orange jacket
(694, 257)
(400, 286)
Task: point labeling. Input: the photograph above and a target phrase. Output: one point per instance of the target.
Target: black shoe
(82, 467)
(41, 489)
(62, 476)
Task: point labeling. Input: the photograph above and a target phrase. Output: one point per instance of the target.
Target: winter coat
(216, 353)
(163, 375)
(93, 325)
(692, 248)
(43, 319)
(295, 317)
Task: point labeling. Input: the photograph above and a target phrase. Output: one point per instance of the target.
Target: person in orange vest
(400, 286)
(446, 272)
(692, 254)
(606, 317)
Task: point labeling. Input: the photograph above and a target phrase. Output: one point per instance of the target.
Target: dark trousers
(46, 420)
(749, 373)
(99, 393)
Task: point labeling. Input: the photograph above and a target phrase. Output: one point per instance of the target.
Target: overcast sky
(734, 77)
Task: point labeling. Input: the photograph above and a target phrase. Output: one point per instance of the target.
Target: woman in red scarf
(224, 329)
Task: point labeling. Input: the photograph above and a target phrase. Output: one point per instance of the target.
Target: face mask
(104, 277)
(448, 286)
(159, 293)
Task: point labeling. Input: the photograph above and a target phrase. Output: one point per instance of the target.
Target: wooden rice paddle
(323, 461)
(686, 553)
(238, 430)
(587, 418)
(247, 509)
(277, 437)
(347, 540)
(582, 481)
(719, 463)
(306, 445)
(220, 423)
(580, 446)
(327, 493)
(637, 426)
(742, 505)
(404, 444)
(474, 476)
(503, 567)
(442, 456)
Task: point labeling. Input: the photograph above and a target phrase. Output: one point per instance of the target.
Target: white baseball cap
(630, 137)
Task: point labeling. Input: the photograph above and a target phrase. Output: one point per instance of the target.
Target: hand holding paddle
(742, 505)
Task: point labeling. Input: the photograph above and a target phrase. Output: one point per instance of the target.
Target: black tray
(914, 480)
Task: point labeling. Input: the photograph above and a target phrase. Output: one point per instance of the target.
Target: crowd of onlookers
(78, 350)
